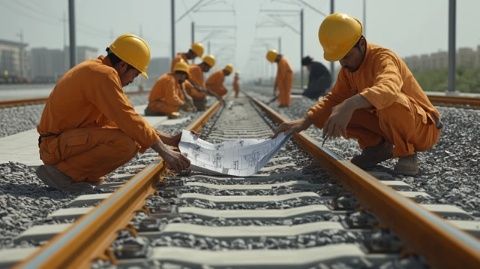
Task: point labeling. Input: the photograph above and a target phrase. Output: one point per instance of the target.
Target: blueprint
(242, 157)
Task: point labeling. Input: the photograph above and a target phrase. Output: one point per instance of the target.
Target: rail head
(443, 245)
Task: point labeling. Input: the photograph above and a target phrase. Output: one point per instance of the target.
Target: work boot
(54, 178)
(371, 156)
(407, 165)
(174, 115)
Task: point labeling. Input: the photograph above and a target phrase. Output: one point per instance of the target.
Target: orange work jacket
(166, 95)
(91, 95)
(215, 83)
(383, 78)
(196, 76)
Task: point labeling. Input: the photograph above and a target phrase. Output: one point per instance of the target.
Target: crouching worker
(167, 96)
(375, 100)
(89, 128)
(215, 82)
(195, 85)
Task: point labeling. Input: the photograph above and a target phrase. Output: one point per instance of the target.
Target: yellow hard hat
(132, 50)
(272, 55)
(197, 48)
(228, 68)
(181, 66)
(337, 34)
(209, 59)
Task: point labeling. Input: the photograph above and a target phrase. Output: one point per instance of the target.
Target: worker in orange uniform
(236, 85)
(375, 100)
(89, 128)
(196, 50)
(195, 85)
(168, 96)
(215, 81)
(284, 79)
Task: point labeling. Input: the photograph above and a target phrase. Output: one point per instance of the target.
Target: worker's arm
(336, 124)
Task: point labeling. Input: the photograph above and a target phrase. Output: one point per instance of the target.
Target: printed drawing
(242, 157)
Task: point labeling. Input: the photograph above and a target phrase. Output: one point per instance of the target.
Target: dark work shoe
(407, 165)
(54, 178)
(371, 156)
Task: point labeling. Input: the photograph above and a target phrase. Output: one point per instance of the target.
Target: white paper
(242, 157)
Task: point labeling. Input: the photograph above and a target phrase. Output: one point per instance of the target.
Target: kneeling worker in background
(195, 85)
(215, 81)
(89, 128)
(167, 96)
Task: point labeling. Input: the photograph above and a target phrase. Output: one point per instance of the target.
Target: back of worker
(319, 78)
(196, 50)
(284, 81)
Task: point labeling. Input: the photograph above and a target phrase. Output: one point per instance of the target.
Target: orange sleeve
(341, 91)
(110, 100)
(387, 83)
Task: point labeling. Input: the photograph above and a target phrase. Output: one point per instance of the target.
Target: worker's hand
(172, 140)
(220, 99)
(175, 160)
(292, 126)
(336, 124)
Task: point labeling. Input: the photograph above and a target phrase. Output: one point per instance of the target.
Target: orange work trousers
(407, 128)
(86, 154)
(284, 95)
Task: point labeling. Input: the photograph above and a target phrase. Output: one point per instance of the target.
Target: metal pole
(193, 32)
(279, 45)
(301, 48)
(172, 17)
(452, 6)
(365, 17)
(208, 47)
(332, 64)
(72, 32)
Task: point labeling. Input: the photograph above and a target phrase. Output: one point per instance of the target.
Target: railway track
(288, 215)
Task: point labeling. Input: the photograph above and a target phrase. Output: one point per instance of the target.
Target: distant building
(465, 57)
(83, 53)
(47, 65)
(158, 67)
(13, 61)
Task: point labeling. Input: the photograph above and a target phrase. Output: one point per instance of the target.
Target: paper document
(242, 157)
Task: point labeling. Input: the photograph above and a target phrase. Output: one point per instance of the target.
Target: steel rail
(92, 234)
(39, 100)
(454, 100)
(443, 245)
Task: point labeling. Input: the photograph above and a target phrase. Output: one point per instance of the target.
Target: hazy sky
(408, 27)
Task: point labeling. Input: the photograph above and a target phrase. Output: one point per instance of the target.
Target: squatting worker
(215, 81)
(168, 95)
(88, 126)
(319, 78)
(196, 50)
(375, 100)
(195, 85)
(284, 79)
